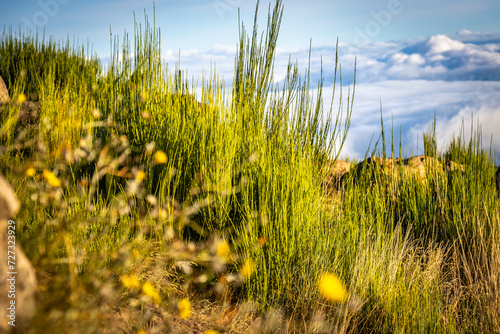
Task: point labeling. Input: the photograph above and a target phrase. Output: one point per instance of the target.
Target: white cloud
(440, 43)
(411, 106)
(458, 57)
(402, 58)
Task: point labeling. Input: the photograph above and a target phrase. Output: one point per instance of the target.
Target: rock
(420, 164)
(385, 165)
(340, 168)
(335, 172)
(9, 205)
(415, 166)
(4, 93)
(23, 283)
(453, 166)
(384, 170)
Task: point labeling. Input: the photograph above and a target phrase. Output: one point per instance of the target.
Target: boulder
(9, 205)
(453, 167)
(420, 164)
(18, 282)
(340, 168)
(4, 93)
(382, 165)
(414, 166)
(336, 170)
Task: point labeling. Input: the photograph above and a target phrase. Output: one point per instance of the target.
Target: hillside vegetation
(144, 210)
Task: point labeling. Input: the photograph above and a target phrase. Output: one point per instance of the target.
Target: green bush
(135, 196)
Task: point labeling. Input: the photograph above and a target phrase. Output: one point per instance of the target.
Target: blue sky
(201, 24)
(418, 57)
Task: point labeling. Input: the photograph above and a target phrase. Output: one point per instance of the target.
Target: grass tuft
(149, 209)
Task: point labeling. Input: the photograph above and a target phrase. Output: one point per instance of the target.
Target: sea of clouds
(454, 78)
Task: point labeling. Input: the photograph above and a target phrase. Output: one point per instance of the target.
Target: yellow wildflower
(262, 240)
(142, 331)
(21, 98)
(211, 331)
(51, 179)
(144, 96)
(160, 157)
(130, 282)
(140, 176)
(332, 289)
(247, 269)
(30, 172)
(184, 308)
(149, 290)
(223, 249)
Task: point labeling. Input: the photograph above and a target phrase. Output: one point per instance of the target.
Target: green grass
(246, 166)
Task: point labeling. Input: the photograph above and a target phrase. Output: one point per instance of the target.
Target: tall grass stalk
(247, 165)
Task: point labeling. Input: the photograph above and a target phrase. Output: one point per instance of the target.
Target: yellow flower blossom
(142, 331)
(247, 269)
(144, 96)
(262, 240)
(184, 308)
(211, 331)
(160, 157)
(21, 98)
(140, 176)
(149, 290)
(332, 289)
(223, 249)
(30, 172)
(130, 282)
(51, 179)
